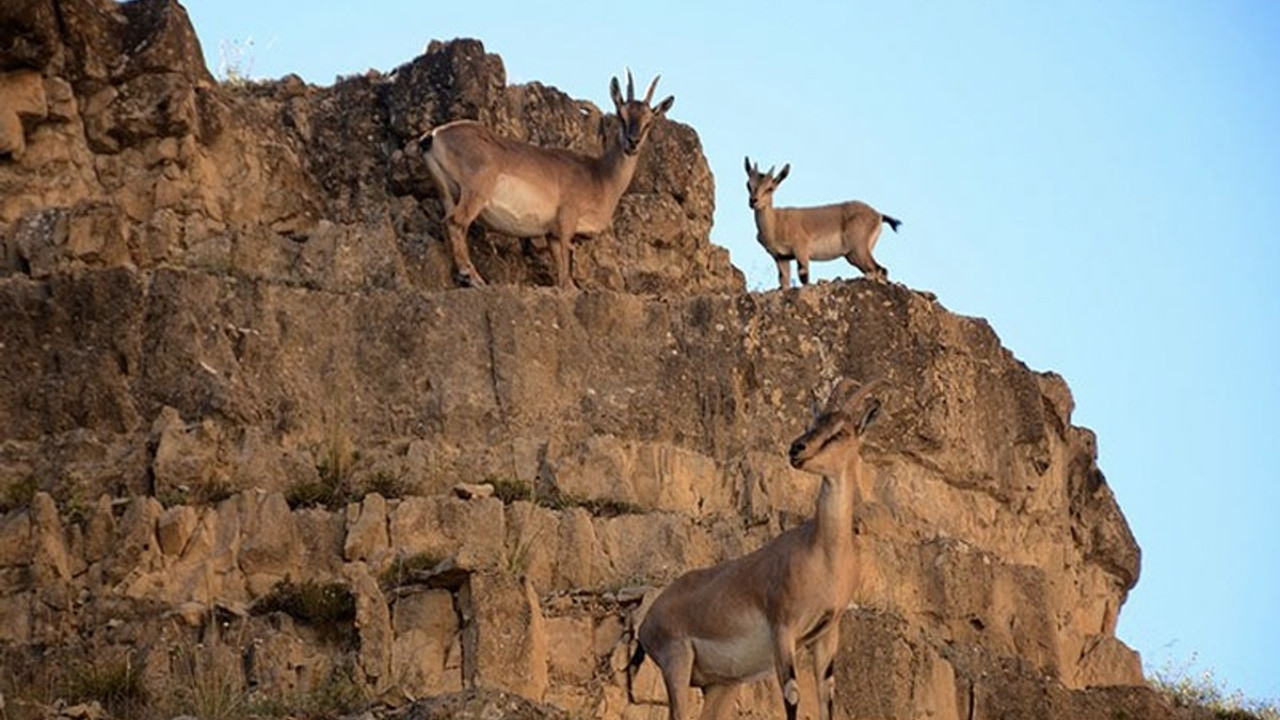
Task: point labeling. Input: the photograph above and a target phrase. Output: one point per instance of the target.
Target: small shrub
(116, 684)
(235, 61)
(210, 493)
(328, 607)
(315, 494)
(509, 491)
(19, 494)
(330, 490)
(606, 507)
(340, 695)
(335, 485)
(28, 686)
(556, 499)
(387, 484)
(1183, 687)
(402, 570)
(208, 691)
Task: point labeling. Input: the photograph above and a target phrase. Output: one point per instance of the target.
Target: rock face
(121, 151)
(238, 392)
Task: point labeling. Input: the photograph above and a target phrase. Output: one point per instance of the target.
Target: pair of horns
(631, 88)
(754, 168)
(848, 391)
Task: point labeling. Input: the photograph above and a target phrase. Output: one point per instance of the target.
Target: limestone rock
(504, 635)
(201, 284)
(1107, 661)
(467, 491)
(186, 456)
(22, 98)
(100, 530)
(366, 529)
(447, 526)
(175, 527)
(15, 539)
(373, 624)
(136, 549)
(483, 704)
(29, 35)
(270, 544)
(50, 562)
(571, 656)
(426, 654)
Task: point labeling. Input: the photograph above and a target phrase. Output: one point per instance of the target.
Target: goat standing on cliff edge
(826, 232)
(718, 627)
(528, 191)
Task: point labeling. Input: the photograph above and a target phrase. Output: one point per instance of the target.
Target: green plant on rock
(402, 570)
(235, 61)
(387, 484)
(509, 490)
(330, 608)
(332, 486)
(209, 691)
(116, 683)
(19, 494)
(342, 694)
(557, 499)
(520, 556)
(1183, 687)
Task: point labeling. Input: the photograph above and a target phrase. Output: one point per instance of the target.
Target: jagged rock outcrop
(121, 150)
(238, 391)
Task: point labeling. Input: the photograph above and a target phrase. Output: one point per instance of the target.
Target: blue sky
(1100, 180)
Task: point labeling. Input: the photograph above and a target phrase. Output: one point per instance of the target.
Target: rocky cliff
(255, 446)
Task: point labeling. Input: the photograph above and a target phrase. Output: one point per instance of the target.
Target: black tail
(893, 222)
(636, 658)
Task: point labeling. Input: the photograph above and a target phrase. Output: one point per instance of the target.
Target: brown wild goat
(528, 191)
(741, 620)
(824, 232)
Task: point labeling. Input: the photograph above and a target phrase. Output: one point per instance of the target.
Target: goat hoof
(469, 279)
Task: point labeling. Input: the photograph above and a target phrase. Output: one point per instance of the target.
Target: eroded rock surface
(233, 362)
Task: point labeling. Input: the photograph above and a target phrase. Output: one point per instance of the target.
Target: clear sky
(1098, 179)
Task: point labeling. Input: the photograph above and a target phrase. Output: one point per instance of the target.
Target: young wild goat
(718, 627)
(825, 232)
(528, 191)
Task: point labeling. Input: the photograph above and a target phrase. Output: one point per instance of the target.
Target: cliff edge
(249, 428)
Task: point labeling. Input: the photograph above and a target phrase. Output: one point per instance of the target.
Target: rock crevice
(234, 368)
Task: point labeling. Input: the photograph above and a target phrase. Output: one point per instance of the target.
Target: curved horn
(848, 393)
(648, 96)
(631, 87)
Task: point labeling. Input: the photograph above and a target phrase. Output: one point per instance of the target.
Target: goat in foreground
(825, 232)
(528, 191)
(718, 627)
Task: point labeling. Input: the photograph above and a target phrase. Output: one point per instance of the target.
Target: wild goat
(528, 191)
(718, 627)
(825, 232)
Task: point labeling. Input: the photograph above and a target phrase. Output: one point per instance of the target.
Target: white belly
(520, 208)
(744, 657)
(827, 247)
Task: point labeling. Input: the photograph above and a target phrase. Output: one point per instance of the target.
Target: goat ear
(665, 105)
(615, 92)
(871, 411)
(786, 170)
(746, 164)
